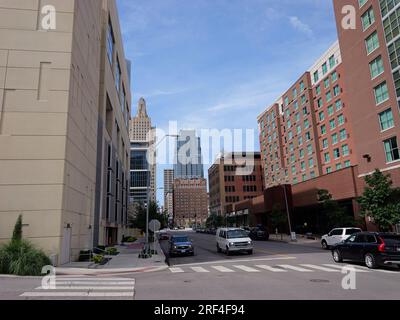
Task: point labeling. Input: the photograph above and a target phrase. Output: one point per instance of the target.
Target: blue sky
(220, 63)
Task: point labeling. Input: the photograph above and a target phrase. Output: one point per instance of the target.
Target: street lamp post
(287, 211)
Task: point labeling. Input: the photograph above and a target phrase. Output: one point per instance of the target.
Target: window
(319, 103)
(306, 124)
(324, 68)
(325, 143)
(376, 67)
(303, 166)
(326, 83)
(327, 157)
(381, 93)
(301, 86)
(345, 150)
(367, 18)
(295, 181)
(386, 119)
(391, 150)
(117, 75)
(293, 169)
(298, 130)
(361, 3)
(334, 76)
(294, 92)
(328, 170)
(289, 124)
(343, 134)
(303, 99)
(347, 164)
(391, 24)
(305, 111)
(311, 162)
(335, 138)
(332, 61)
(338, 105)
(309, 150)
(110, 42)
(341, 120)
(321, 116)
(316, 77)
(372, 42)
(332, 124)
(290, 135)
(308, 136)
(336, 91)
(295, 105)
(336, 153)
(312, 174)
(323, 129)
(301, 153)
(318, 90)
(297, 117)
(287, 113)
(328, 96)
(291, 147)
(300, 141)
(338, 166)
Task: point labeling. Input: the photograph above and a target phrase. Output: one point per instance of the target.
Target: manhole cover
(319, 280)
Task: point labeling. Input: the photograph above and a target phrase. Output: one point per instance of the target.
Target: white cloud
(300, 26)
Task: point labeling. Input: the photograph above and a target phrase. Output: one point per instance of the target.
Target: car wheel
(337, 256)
(227, 251)
(324, 245)
(218, 248)
(370, 261)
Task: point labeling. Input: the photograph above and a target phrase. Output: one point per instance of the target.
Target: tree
(139, 221)
(17, 233)
(215, 221)
(335, 214)
(279, 219)
(380, 201)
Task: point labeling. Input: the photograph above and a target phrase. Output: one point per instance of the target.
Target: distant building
(190, 201)
(227, 187)
(189, 158)
(168, 191)
(143, 167)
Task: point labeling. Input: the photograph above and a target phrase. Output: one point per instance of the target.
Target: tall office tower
(189, 158)
(227, 187)
(307, 132)
(371, 60)
(168, 190)
(143, 167)
(65, 108)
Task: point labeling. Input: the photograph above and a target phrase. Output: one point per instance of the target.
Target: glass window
(319, 103)
(332, 124)
(386, 119)
(321, 116)
(336, 91)
(326, 83)
(306, 124)
(345, 150)
(391, 149)
(311, 162)
(328, 96)
(303, 166)
(334, 76)
(362, 2)
(381, 93)
(376, 67)
(347, 164)
(372, 42)
(323, 129)
(335, 138)
(341, 120)
(297, 117)
(309, 150)
(318, 90)
(336, 153)
(316, 78)
(325, 143)
(300, 141)
(298, 129)
(295, 105)
(330, 111)
(343, 134)
(110, 42)
(338, 105)
(324, 68)
(117, 75)
(312, 174)
(367, 18)
(327, 157)
(332, 61)
(301, 153)
(294, 92)
(301, 86)
(338, 166)
(308, 136)
(303, 99)
(286, 101)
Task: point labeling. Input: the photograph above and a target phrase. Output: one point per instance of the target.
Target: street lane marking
(247, 269)
(94, 283)
(176, 270)
(222, 269)
(235, 261)
(86, 288)
(269, 268)
(286, 266)
(77, 294)
(319, 268)
(345, 266)
(199, 269)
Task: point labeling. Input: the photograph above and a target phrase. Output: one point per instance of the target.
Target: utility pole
(287, 211)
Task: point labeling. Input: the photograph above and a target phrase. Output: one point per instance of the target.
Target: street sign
(154, 225)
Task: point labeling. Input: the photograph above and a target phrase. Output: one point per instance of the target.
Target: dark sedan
(375, 249)
(180, 245)
(259, 233)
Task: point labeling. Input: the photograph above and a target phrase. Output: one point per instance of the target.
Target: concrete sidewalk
(127, 261)
(300, 239)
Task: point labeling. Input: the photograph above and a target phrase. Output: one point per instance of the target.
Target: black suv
(259, 233)
(373, 248)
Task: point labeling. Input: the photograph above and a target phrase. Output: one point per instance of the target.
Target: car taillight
(381, 247)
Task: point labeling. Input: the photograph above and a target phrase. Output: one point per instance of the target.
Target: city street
(276, 270)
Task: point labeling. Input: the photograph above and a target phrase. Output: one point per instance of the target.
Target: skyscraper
(189, 159)
(168, 191)
(143, 167)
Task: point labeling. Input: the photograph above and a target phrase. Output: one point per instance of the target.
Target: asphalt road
(275, 271)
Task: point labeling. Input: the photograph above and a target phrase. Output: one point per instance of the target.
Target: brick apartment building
(190, 201)
(227, 185)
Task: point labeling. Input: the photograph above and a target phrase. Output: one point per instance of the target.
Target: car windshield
(235, 234)
(352, 231)
(180, 239)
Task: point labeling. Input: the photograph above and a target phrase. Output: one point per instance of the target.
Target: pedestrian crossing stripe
(332, 268)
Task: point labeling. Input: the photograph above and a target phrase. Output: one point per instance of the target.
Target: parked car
(375, 249)
(259, 233)
(337, 235)
(233, 240)
(180, 245)
(162, 235)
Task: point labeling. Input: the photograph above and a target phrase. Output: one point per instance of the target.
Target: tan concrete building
(190, 201)
(65, 107)
(168, 191)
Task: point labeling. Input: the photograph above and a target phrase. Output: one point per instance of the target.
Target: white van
(233, 240)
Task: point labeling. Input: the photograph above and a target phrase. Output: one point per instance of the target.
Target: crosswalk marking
(86, 288)
(345, 266)
(286, 266)
(247, 269)
(222, 269)
(320, 268)
(94, 283)
(176, 270)
(47, 294)
(199, 269)
(269, 268)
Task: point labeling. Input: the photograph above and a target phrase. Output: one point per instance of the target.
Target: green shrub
(98, 258)
(129, 239)
(111, 251)
(22, 258)
(85, 255)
